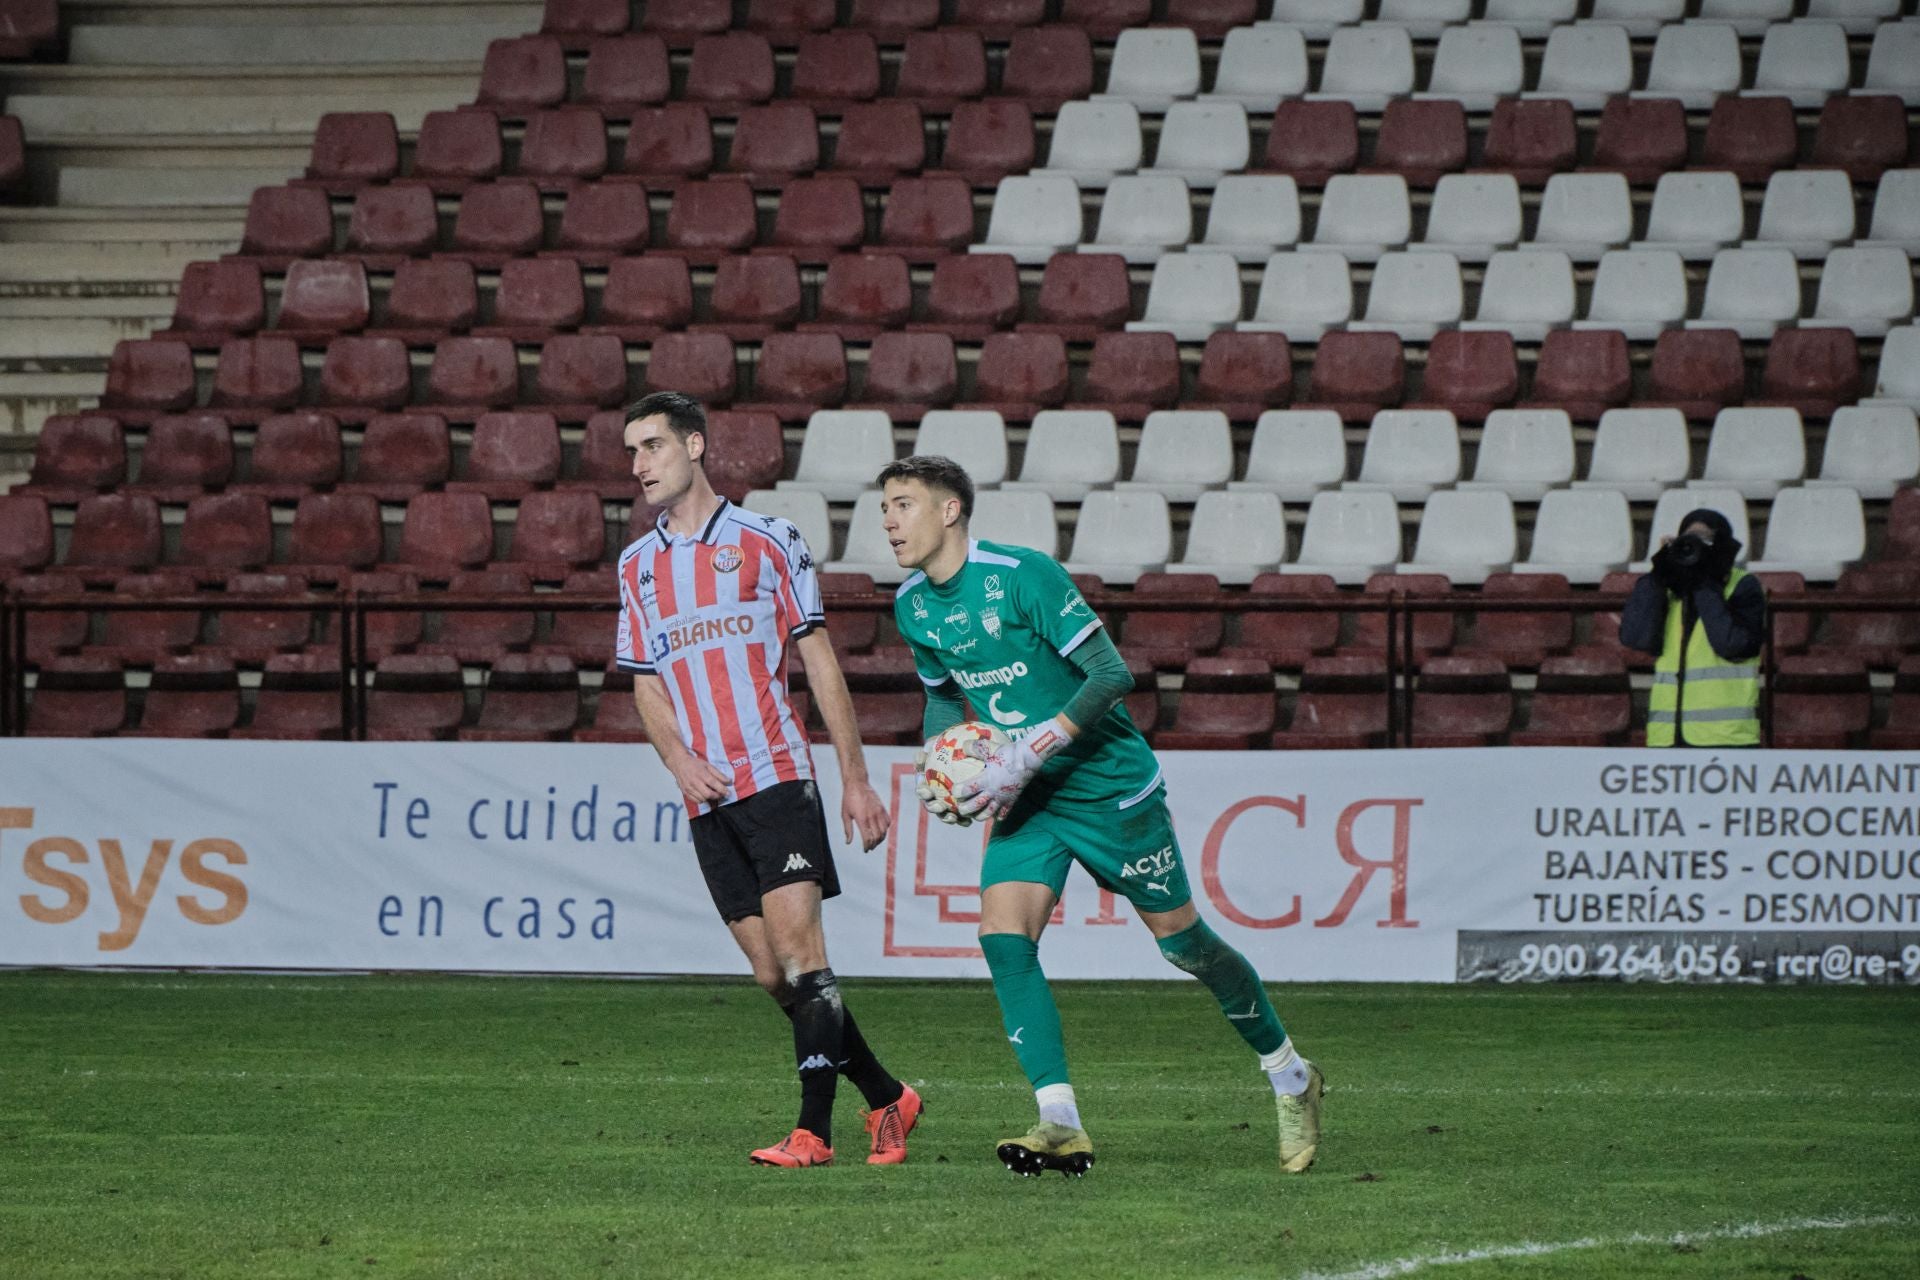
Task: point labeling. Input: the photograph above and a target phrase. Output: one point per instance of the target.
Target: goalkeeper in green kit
(1003, 628)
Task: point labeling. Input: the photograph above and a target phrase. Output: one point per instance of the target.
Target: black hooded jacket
(1736, 626)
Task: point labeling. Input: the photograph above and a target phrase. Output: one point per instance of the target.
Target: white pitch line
(1536, 1249)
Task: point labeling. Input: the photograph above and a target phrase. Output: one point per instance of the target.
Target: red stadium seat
(1106, 19)
(786, 22)
(455, 150)
(745, 451)
(139, 636)
(400, 454)
(988, 140)
(224, 533)
(481, 636)
(910, 373)
(497, 221)
(29, 28)
(186, 455)
(1532, 139)
(363, 376)
(1521, 639)
(584, 636)
(853, 630)
(391, 224)
(521, 74)
(580, 373)
(298, 700)
(388, 631)
(26, 534)
(217, 301)
(113, 534)
(1312, 141)
(730, 70)
(190, 696)
(1288, 640)
(1048, 66)
(775, 143)
(711, 220)
(684, 22)
(1585, 372)
(284, 223)
(512, 455)
(669, 143)
(996, 19)
(1812, 370)
(752, 296)
(879, 141)
(1461, 701)
(819, 217)
(1750, 136)
(333, 534)
(615, 718)
(1212, 19)
(1342, 705)
(528, 698)
(1081, 296)
(1243, 374)
(444, 533)
(625, 73)
(972, 295)
(1903, 526)
(1866, 135)
(891, 20)
(1020, 374)
(1143, 704)
(352, 149)
(1226, 704)
(1132, 374)
(53, 633)
(255, 636)
(863, 296)
(1421, 139)
(603, 221)
(1579, 700)
(1902, 730)
(1790, 630)
(1877, 639)
(885, 699)
(78, 698)
(1641, 138)
(563, 147)
(1471, 374)
(798, 373)
(940, 68)
(927, 218)
(1357, 374)
(535, 297)
(321, 298)
(1698, 371)
(471, 375)
(1170, 640)
(604, 468)
(256, 376)
(1432, 632)
(1821, 702)
(1605, 636)
(145, 377)
(429, 300)
(557, 532)
(75, 455)
(697, 364)
(576, 22)
(644, 298)
(415, 698)
(836, 68)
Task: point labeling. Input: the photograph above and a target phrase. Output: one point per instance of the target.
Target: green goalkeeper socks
(1226, 973)
(1026, 1007)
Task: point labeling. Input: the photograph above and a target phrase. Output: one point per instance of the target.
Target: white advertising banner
(1430, 866)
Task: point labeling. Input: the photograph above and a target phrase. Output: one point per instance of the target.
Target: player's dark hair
(683, 413)
(935, 472)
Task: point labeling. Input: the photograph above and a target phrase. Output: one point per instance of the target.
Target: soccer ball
(949, 763)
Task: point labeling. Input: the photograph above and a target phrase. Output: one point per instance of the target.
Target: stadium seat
(139, 636)
(862, 296)
(1349, 535)
(361, 376)
(1697, 371)
(975, 439)
(730, 70)
(987, 141)
(1641, 138)
(562, 147)
(482, 636)
(1583, 373)
(298, 699)
(1859, 17)
(1477, 65)
(574, 21)
(322, 298)
(710, 220)
(1521, 639)
(1081, 295)
(256, 375)
(497, 221)
(585, 636)
(1410, 453)
(1877, 639)
(1182, 453)
(1432, 632)
(1902, 729)
(1241, 374)
(1020, 518)
(1020, 374)
(1531, 140)
(1751, 137)
(388, 631)
(1203, 142)
(1583, 215)
(511, 455)
(428, 300)
(1896, 212)
(1317, 19)
(535, 297)
(1804, 61)
(1465, 534)
(774, 143)
(1891, 62)
(1363, 216)
(528, 698)
(1811, 370)
(1152, 67)
(1282, 638)
(1586, 64)
(842, 452)
(75, 455)
(1250, 216)
(1813, 531)
(415, 698)
(817, 218)
(1470, 374)
(1820, 702)
(682, 24)
(974, 295)
(1259, 66)
(189, 696)
(1092, 141)
(1461, 700)
(615, 717)
(1579, 700)
(332, 534)
(285, 223)
(1675, 503)
(1295, 454)
(556, 532)
(1525, 295)
(1142, 217)
(879, 141)
(1748, 17)
(1191, 296)
(1121, 535)
(625, 72)
(1048, 66)
(1302, 296)
(400, 454)
(1791, 630)
(444, 533)
(581, 374)
(908, 373)
(1694, 62)
(253, 637)
(1580, 535)
(1420, 139)
(1311, 141)
(1413, 295)
(113, 534)
(389, 225)
(1132, 374)
(1751, 291)
(1640, 452)
(1367, 66)
(805, 509)
(1069, 452)
(522, 74)
(1865, 134)
(941, 68)
(1234, 537)
(644, 298)
(1898, 378)
(469, 376)
(1168, 640)
(1865, 289)
(148, 377)
(699, 364)
(1342, 705)
(456, 149)
(1638, 292)
(1357, 374)
(668, 144)
(1473, 215)
(225, 532)
(1806, 212)
(1425, 19)
(218, 300)
(185, 455)
(1756, 451)
(1872, 450)
(1226, 704)
(797, 374)
(1695, 215)
(1524, 453)
(26, 534)
(836, 69)
(927, 218)
(887, 697)
(81, 697)
(752, 296)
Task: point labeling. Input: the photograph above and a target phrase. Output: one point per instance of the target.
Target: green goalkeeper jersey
(1002, 629)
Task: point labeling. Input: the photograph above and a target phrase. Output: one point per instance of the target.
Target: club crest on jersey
(919, 607)
(960, 620)
(990, 619)
(727, 559)
(994, 590)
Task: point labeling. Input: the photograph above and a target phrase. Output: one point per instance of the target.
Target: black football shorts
(771, 838)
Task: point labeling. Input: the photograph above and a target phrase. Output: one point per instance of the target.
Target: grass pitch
(159, 1125)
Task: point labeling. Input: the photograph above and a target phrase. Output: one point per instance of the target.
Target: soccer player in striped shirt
(710, 600)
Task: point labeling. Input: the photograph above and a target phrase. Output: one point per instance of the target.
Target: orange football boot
(798, 1150)
(890, 1125)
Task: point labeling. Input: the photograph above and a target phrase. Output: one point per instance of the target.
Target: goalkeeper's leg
(1012, 915)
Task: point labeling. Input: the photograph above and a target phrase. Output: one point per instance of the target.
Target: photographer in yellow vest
(1704, 621)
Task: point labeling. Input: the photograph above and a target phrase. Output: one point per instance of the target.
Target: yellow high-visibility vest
(1715, 702)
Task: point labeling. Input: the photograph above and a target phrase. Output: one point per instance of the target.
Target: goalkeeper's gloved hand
(930, 802)
(1010, 767)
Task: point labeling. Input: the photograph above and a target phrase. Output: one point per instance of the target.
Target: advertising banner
(1495, 865)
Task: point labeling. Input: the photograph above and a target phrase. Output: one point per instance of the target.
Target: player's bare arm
(696, 777)
(860, 805)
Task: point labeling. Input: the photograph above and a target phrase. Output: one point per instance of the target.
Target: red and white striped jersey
(712, 616)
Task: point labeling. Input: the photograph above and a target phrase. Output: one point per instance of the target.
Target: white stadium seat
(1302, 295)
(805, 508)
(974, 438)
(1414, 295)
(1235, 537)
(1349, 536)
(1192, 294)
(1477, 65)
(1804, 61)
(1409, 454)
(1756, 450)
(1363, 215)
(1695, 62)
(1580, 534)
(1203, 142)
(1033, 217)
(1473, 214)
(1154, 66)
(1425, 19)
(1252, 215)
(1899, 378)
(1639, 452)
(1893, 64)
(1639, 292)
(1093, 141)
(1643, 19)
(1018, 518)
(1867, 290)
(1872, 449)
(1533, 19)
(867, 550)
(1316, 19)
(1748, 17)
(1751, 291)
(1695, 215)
(842, 451)
(1143, 216)
(1896, 211)
(1525, 292)
(1586, 63)
(1859, 17)
(1814, 532)
(1675, 503)
(1524, 453)
(1584, 215)
(1465, 534)
(1806, 212)
(1121, 535)
(1183, 453)
(1259, 66)
(1367, 66)
(1295, 454)
(1070, 451)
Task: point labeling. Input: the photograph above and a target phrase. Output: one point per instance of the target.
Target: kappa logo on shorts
(796, 863)
(1154, 864)
(727, 559)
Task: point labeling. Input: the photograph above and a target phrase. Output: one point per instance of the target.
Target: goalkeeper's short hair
(935, 472)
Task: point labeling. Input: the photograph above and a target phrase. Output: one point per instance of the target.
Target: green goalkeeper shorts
(1131, 851)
